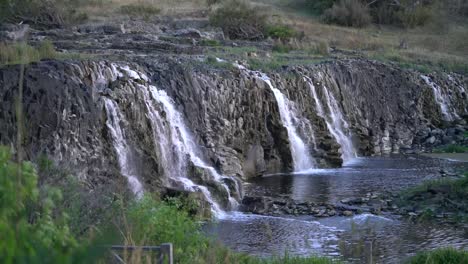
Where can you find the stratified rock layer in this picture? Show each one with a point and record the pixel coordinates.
(232, 113)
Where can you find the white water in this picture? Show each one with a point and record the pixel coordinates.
(441, 100)
(177, 144)
(335, 121)
(114, 117)
(300, 152)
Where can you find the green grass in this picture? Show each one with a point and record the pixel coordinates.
(210, 43)
(22, 53)
(441, 256)
(451, 149)
(442, 196)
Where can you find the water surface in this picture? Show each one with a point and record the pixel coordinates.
(360, 239)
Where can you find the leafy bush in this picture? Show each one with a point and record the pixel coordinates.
(281, 32)
(441, 256)
(239, 20)
(350, 13)
(30, 233)
(416, 16)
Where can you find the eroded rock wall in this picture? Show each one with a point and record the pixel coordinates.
(232, 113)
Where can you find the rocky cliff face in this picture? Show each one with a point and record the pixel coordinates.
(340, 108)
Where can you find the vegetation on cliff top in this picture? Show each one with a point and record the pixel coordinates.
(423, 35)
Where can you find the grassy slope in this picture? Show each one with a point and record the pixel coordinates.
(441, 45)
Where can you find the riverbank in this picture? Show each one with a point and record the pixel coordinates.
(450, 156)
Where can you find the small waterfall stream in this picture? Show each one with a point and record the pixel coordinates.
(299, 150)
(177, 145)
(335, 121)
(441, 100)
(184, 144)
(174, 141)
(114, 118)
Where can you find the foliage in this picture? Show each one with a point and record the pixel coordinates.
(154, 222)
(440, 256)
(30, 233)
(280, 47)
(439, 197)
(140, 9)
(451, 149)
(239, 20)
(212, 2)
(41, 13)
(350, 13)
(210, 42)
(416, 16)
(281, 31)
(21, 53)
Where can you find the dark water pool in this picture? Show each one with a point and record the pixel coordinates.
(360, 239)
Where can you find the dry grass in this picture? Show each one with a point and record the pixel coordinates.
(441, 43)
(103, 9)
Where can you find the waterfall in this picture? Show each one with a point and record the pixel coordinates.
(176, 144)
(441, 100)
(114, 118)
(335, 121)
(299, 150)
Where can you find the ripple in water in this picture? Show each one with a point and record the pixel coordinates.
(360, 239)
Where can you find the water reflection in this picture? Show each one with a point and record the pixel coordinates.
(376, 174)
(360, 239)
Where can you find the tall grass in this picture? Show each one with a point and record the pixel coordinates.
(440, 256)
(22, 53)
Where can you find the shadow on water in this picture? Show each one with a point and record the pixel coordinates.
(360, 239)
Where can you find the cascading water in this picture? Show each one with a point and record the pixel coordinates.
(299, 150)
(176, 144)
(174, 140)
(441, 100)
(114, 118)
(335, 121)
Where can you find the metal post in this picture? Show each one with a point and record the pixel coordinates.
(166, 249)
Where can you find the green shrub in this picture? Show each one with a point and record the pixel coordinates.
(350, 13)
(239, 20)
(416, 16)
(30, 233)
(282, 32)
(441, 256)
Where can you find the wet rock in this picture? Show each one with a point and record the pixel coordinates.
(348, 213)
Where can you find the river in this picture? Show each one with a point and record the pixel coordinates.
(363, 238)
